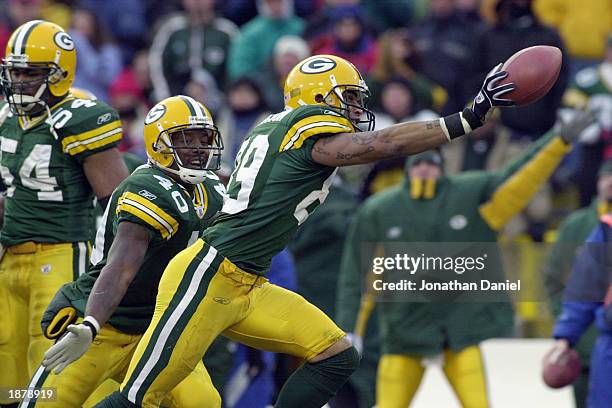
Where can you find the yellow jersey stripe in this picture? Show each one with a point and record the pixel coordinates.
(318, 124)
(148, 212)
(153, 207)
(83, 137)
(95, 142)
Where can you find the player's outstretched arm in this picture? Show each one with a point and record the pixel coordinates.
(125, 258)
(413, 137)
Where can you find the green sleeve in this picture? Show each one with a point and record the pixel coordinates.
(216, 195)
(350, 279)
(143, 203)
(85, 127)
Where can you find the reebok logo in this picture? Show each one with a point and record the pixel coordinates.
(147, 195)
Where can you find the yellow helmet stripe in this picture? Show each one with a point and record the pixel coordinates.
(21, 39)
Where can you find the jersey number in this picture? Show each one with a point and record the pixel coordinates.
(37, 163)
(250, 158)
(181, 204)
(302, 210)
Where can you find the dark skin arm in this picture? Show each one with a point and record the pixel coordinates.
(124, 260)
(104, 171)
(347, 149)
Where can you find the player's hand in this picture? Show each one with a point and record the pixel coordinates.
(357, 342)
(491, 94)
(72, 346)
(570, 129)
(59, 314)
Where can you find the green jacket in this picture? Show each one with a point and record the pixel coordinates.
(454, 214)
(572, 233)
(253, 48)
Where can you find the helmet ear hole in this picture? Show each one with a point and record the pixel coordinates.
(319, 98)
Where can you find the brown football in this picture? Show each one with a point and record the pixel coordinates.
(562, 369)
(534, 71)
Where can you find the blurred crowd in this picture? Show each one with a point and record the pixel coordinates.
(421, 58)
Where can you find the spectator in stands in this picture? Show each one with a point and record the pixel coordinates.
(443, 44)
(398, 104)
(591, 88)
(572, 232)
(583, 25)
(433, 207)
(126, 20)
(349, 38)
(18, 12)
(288, 51)
(512, 27)
(386, 14)
(203, 87)
(397, 58)
(186, 42)
(141, 72)
(127, 97)
(319, 24)
(254, 46)
(587, 299)
(243, 11)
(99, 60)
(247, 107)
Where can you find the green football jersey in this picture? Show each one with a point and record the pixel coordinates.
(48, 197)
(174, 217)
(275, 186)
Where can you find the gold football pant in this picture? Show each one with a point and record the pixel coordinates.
(399, 377)
(108, 358)
(30, 274)
(202, 295)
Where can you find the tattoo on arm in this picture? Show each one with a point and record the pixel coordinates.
(433, 124)
(320, 150)
(365, 138)
(350, 156)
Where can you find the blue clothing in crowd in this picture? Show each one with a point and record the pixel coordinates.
(587, 299)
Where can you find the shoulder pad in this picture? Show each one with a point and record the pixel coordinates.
(85, 126)
(311, 120)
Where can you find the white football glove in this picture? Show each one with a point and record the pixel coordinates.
(71, 346)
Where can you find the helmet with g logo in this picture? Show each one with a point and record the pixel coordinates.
(172, 127)
(44, 50)
(326, 79)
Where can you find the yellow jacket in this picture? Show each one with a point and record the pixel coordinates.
(583, 24)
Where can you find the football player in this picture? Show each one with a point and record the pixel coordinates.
(56, 152)
(283, 172)
(160, 209)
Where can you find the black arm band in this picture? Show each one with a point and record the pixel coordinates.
(459, 124)
(94, 331)
(471, 118)
(103, 202)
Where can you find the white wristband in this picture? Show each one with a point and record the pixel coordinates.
(93, 321)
